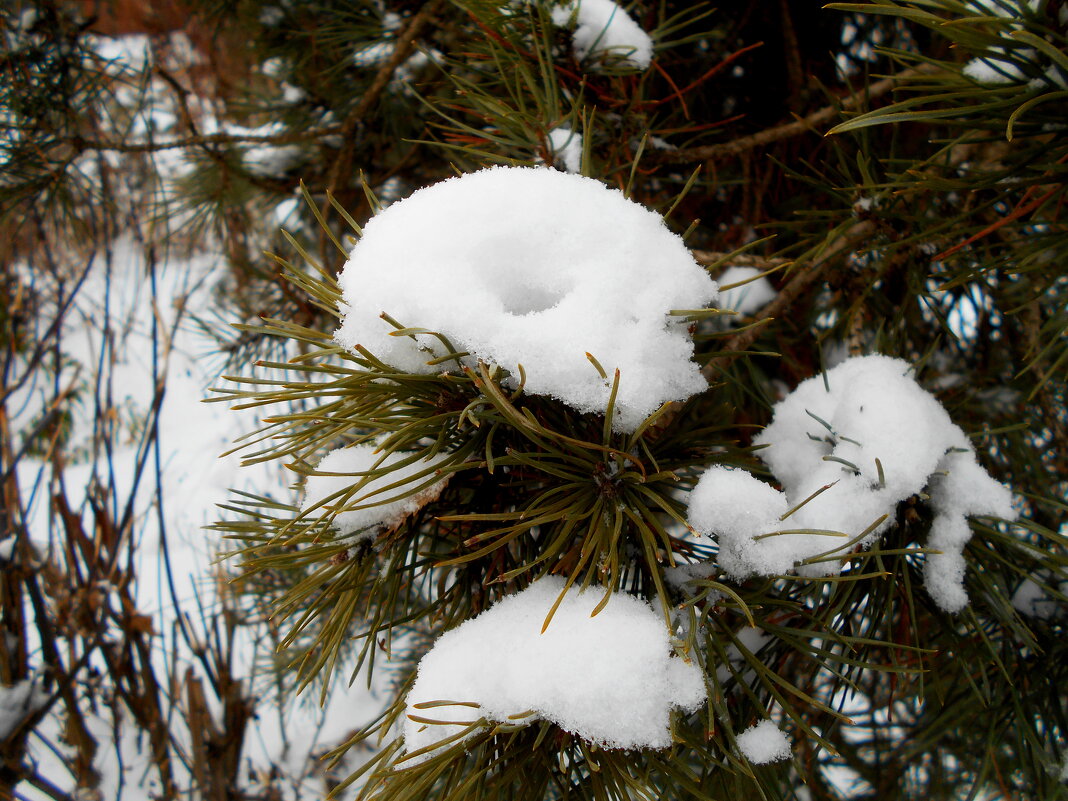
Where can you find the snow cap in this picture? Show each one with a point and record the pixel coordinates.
(533, 267)
(609, 679)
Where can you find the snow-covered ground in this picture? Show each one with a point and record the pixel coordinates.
(127, 310)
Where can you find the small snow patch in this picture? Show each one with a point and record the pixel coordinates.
(753, 292)
(18, 702)
(602, 29)
(609, 679)
(764, 743)
(566, 146)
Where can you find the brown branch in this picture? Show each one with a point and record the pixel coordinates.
(844, 244)
(745, 144)
(202, 140)
(841, 245)
(403, 48)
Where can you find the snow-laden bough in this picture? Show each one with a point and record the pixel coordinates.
(847, 447)
(533, 267)
(361, 506)
(610, 679)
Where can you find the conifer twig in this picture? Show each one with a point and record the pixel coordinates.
(745, 144)
(741, 340)
(401, 51)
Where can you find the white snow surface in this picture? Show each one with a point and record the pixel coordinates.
(764, 743)
(610, 679)
(533, 267)
(566, 146)
(17, 702)
(751, 296)
(875, 411)
(603, 28)
(374, 505)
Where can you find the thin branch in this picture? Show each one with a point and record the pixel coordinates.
(403, 48)
(813, 121)
(202, 140)
(844, 244)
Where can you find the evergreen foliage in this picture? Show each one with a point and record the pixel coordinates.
(898, 204)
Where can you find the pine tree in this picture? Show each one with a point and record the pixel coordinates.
(876, 178)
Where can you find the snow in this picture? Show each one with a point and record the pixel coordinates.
(610, 679)
(752, 293)
(116, 305)
(996, 68)
(847, 448)
(336, 483)
(17, 702)
(764, 743)
(1033, 599)
(602, 29)
(533, 267)
(566, 146)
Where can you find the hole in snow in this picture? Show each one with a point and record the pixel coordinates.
(522, 300)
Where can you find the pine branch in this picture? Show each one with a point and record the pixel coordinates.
(746, 144)
(403, 48)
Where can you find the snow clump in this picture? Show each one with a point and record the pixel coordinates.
(366, 509)
(847, 447)
(602, 29)
(609, 679)
(566, 147)
(533, 267)
(749, 297)
(764, 743)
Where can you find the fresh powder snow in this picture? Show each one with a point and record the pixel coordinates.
(764, 743)
(364, 505)
(847, 447)
(609, 679)
(603, 28)
(535, 267)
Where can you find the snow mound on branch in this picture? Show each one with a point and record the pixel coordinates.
(764, 743)
(376, 504)
(609, 679)
(603, 28)
(532, 267)
(847, 449)
(748, 298)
